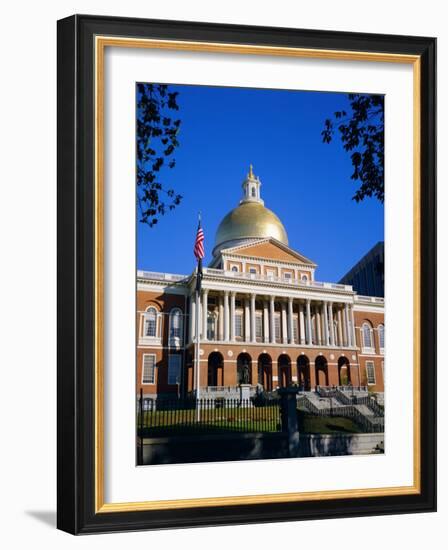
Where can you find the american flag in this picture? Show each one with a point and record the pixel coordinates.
(199, 253)
(199, 244)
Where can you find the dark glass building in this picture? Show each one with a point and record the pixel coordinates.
(367, 276)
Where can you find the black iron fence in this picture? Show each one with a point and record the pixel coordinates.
(165, 417)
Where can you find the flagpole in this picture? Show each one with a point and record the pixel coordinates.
(197, 355)
(199, 252)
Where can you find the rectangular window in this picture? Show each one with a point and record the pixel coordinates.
(211, 324)
(287, 276)
(149, 368)
(175, 326)
(295, 331)
(238, 325)
(370, 368)
(174, 362)
(270, 273)
(381, 336)
(151, 325)
(252, 270)
(259, 326)
(277, 327)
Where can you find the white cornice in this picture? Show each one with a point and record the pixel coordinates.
(377, 308)
(144, 285)
(278, 290)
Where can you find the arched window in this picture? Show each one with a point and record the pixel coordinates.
(367, 341)
(381, 336)
(234, 268)
(304, 278)
(150, 327)
(175, 325)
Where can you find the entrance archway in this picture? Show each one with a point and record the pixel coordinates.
(321, 366)
(265, 371)
(303, 372)
(215, 375)
(284, 371)
(344, 376)
(244, 369)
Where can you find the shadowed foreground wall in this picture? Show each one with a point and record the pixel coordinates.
(214, 448)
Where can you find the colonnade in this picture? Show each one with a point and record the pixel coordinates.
(294, 321)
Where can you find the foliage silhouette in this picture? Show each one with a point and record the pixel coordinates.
(157, 140)
(362, 134)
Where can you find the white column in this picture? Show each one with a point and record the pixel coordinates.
(266, 321)
(348, 336)
(319, 327)
(326, 333)
(353, 328)
(253, 335)
(192, 317)
(284, 324)
(340, 341)
(226, 316)
(290, 322)
(221, 319)
(204, 313)
(308, 323)
(232, 316)
(330, 306)
(302, 323)
(246, 320)
(271, 318)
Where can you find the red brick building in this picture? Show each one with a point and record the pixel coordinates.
(265, 312)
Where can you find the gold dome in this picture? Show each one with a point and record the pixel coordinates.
(246, 221)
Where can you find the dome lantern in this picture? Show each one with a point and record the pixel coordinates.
(250, 220)
(251, 188)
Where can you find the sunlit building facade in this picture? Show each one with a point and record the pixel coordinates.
(261, 309)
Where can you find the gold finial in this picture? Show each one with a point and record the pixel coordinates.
(251, 172)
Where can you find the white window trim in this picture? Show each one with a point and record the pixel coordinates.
(379, 340)
(367, 373)
(176, 341)
(155, 340)
(367, 349)
(154, 369)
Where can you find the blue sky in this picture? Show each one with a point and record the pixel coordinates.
(304, 181)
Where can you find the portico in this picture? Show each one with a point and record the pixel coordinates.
(256, 314)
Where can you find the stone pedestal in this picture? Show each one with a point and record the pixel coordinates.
(288, 411)
(245, 394)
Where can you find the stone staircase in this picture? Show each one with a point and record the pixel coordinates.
(357, 405)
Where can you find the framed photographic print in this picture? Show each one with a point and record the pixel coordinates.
(246, 270)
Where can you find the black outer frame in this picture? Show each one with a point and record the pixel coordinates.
(75, 403)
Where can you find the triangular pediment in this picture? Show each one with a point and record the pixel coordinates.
(269, 249)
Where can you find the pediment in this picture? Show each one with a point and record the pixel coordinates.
(269, 249)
